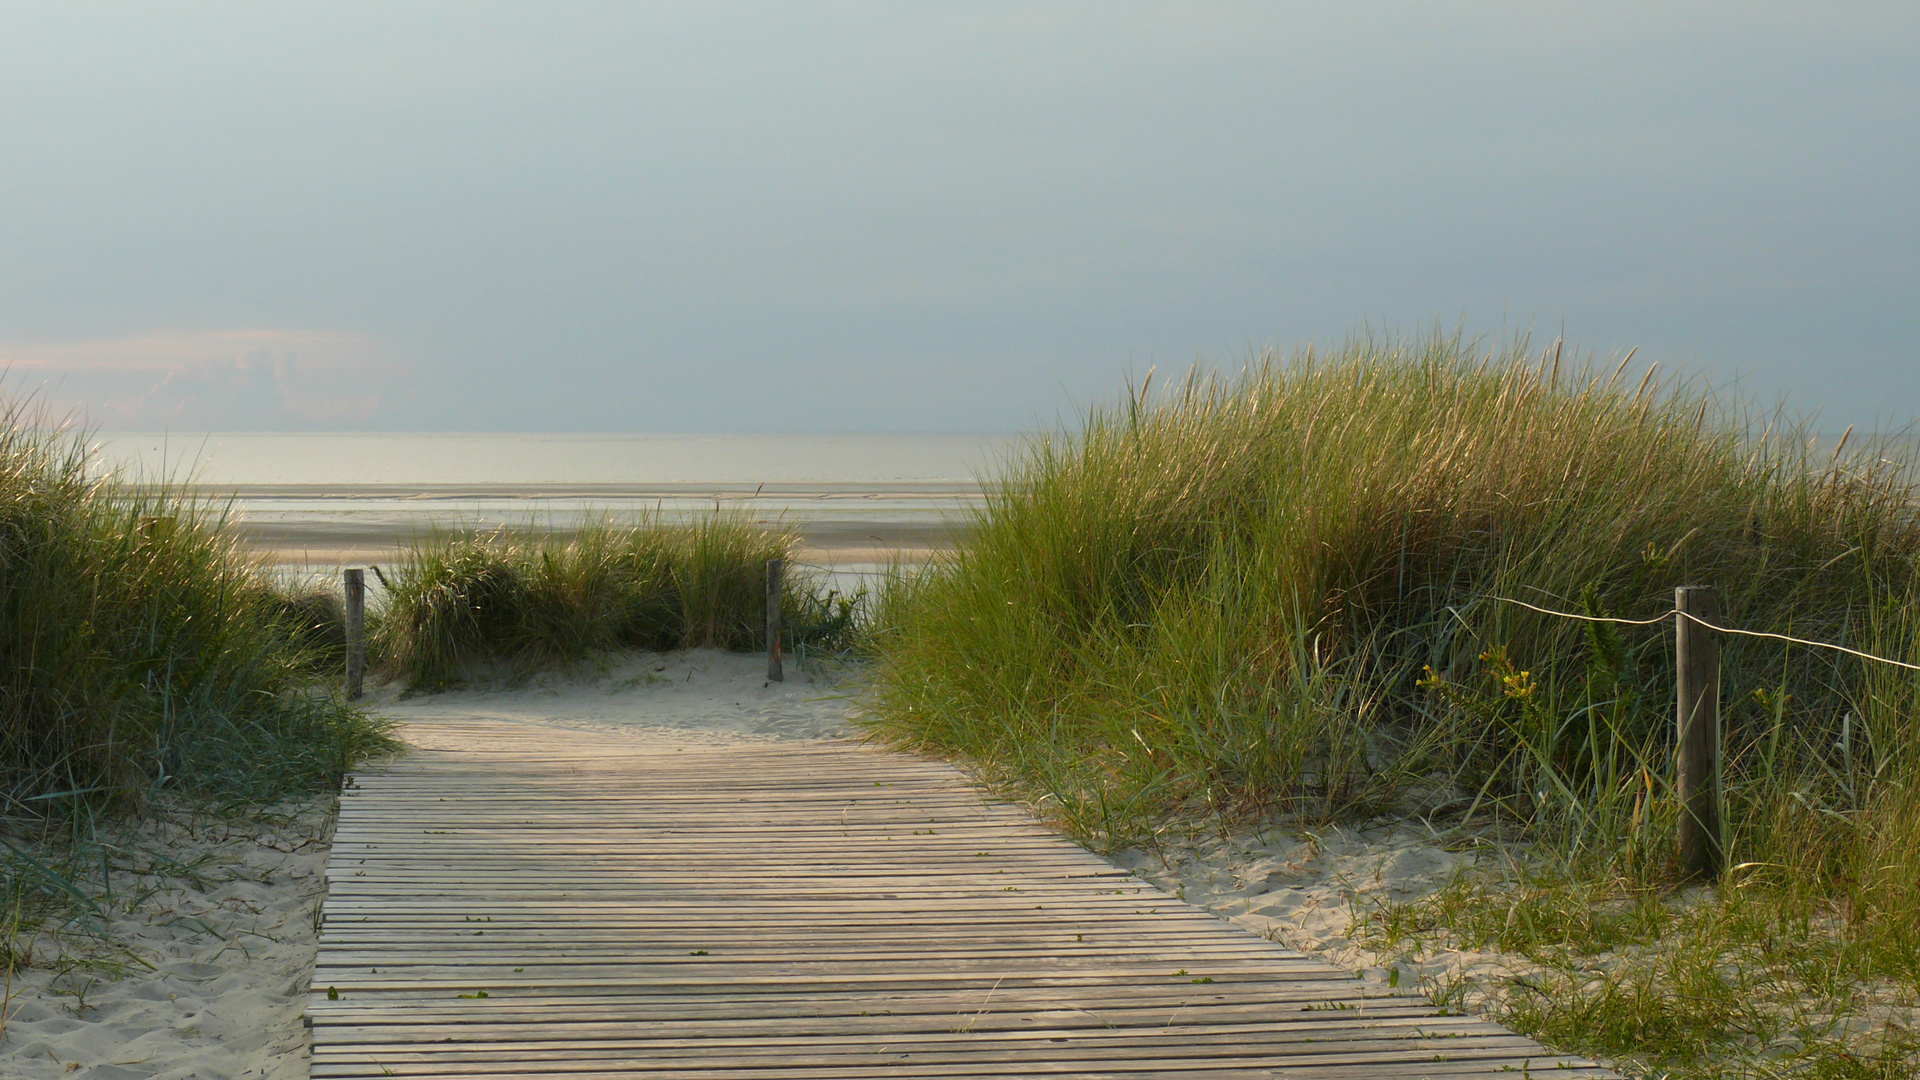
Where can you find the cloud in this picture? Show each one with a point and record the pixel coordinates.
(253, 379)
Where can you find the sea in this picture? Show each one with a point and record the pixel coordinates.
(312, 503)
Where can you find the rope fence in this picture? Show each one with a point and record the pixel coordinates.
(1700, 840)
(1700, 837)
(1716, 627)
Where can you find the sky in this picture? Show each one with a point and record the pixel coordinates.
(828, 217)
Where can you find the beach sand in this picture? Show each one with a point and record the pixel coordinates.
(204, 967)
(209, 973)
(1308, 888)
(203, 974)
(699, 692)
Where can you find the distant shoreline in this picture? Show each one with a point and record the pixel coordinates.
(839, 524)
(320, 544)
(913, 489)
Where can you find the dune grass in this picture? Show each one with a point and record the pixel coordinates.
(1288, 591)
(527, 600)
(143, 653)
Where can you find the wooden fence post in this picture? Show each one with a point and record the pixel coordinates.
(356, 588)
(774, 671)
(1699, 844)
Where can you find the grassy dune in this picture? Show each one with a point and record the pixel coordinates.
(1290, 591)
(143, 655)
(525, 601)
(143, 648)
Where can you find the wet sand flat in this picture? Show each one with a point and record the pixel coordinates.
(840, 524)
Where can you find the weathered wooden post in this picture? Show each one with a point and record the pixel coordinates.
(774, 671)
(356, 588)
(1700, 846)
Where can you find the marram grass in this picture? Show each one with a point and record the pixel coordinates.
(1288, 591)
(143, 654)
(141, 649)
(460, 604)
(1273, 590)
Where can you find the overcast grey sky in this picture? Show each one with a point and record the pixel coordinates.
(819, 217)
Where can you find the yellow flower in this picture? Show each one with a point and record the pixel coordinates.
(1519, 684)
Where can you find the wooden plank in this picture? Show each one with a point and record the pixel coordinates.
(635, 909)
(1166, 1046)
(721, 1014)
(707, 1022)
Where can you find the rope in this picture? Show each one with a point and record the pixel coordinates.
(1711, 626)
(1801, 641)
(1662, 617)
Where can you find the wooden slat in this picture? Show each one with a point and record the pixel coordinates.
(651, 909)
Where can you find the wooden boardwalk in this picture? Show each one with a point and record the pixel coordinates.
(515, 901)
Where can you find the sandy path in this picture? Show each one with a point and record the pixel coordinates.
(211, 980)
(209, 977)
(700, 692)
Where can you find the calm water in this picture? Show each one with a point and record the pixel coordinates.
(327, 499)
